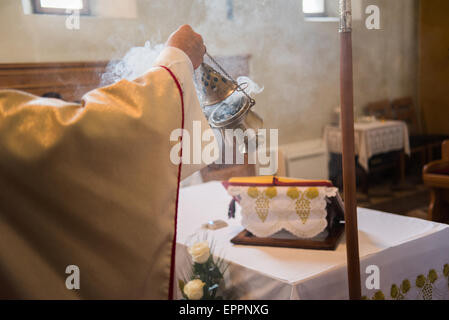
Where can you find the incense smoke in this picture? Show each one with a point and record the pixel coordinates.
(134, 64)
(139, 60)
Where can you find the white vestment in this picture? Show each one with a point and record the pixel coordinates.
(91, 185)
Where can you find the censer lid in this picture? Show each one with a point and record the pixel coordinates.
(214, 86)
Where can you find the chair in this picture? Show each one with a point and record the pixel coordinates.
(436, 177)
(379, 109)
(403, 109)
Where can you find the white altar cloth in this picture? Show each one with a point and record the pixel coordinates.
(371, 139)
(402, 248)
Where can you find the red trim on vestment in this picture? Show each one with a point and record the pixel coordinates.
(173, 248)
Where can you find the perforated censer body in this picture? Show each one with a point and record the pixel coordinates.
(214, 86)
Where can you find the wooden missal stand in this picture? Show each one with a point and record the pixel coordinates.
(328, 243)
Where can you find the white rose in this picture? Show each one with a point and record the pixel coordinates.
(194, 289)
(200, 252)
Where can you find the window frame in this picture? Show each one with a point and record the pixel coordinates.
(38, 9)
(322, 14)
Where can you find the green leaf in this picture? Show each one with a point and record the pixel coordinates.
(181, 285)
(420, 281)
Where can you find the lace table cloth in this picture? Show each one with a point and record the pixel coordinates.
(371, 139)
(411, 255)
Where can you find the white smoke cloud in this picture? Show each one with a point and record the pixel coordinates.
(251, 87)
(139, 60)
(134, 64)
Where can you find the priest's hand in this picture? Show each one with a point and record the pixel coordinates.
(190, 42)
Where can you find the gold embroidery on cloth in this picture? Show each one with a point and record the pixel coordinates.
(303, 208)
(312, 193)
(262, 204)
(425, 285)
(302, 205)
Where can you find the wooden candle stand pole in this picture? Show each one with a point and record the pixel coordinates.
(348, 154)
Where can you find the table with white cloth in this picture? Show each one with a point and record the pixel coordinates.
(410, 255)
(371, 139)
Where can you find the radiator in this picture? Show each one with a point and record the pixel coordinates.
(306, 160)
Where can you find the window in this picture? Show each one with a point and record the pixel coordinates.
(314, 8)
(60, 6)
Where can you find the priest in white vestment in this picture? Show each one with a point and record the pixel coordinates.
(92, 185)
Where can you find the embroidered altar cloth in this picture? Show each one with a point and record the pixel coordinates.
(298, 210)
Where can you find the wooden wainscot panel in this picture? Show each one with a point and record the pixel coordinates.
(70, 79)
(73, 79)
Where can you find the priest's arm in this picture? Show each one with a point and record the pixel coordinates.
(88, 192)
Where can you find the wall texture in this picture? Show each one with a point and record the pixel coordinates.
(296, 61)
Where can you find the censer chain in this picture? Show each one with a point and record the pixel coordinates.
(239, 87)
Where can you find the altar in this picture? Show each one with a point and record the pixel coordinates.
(409, 257)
